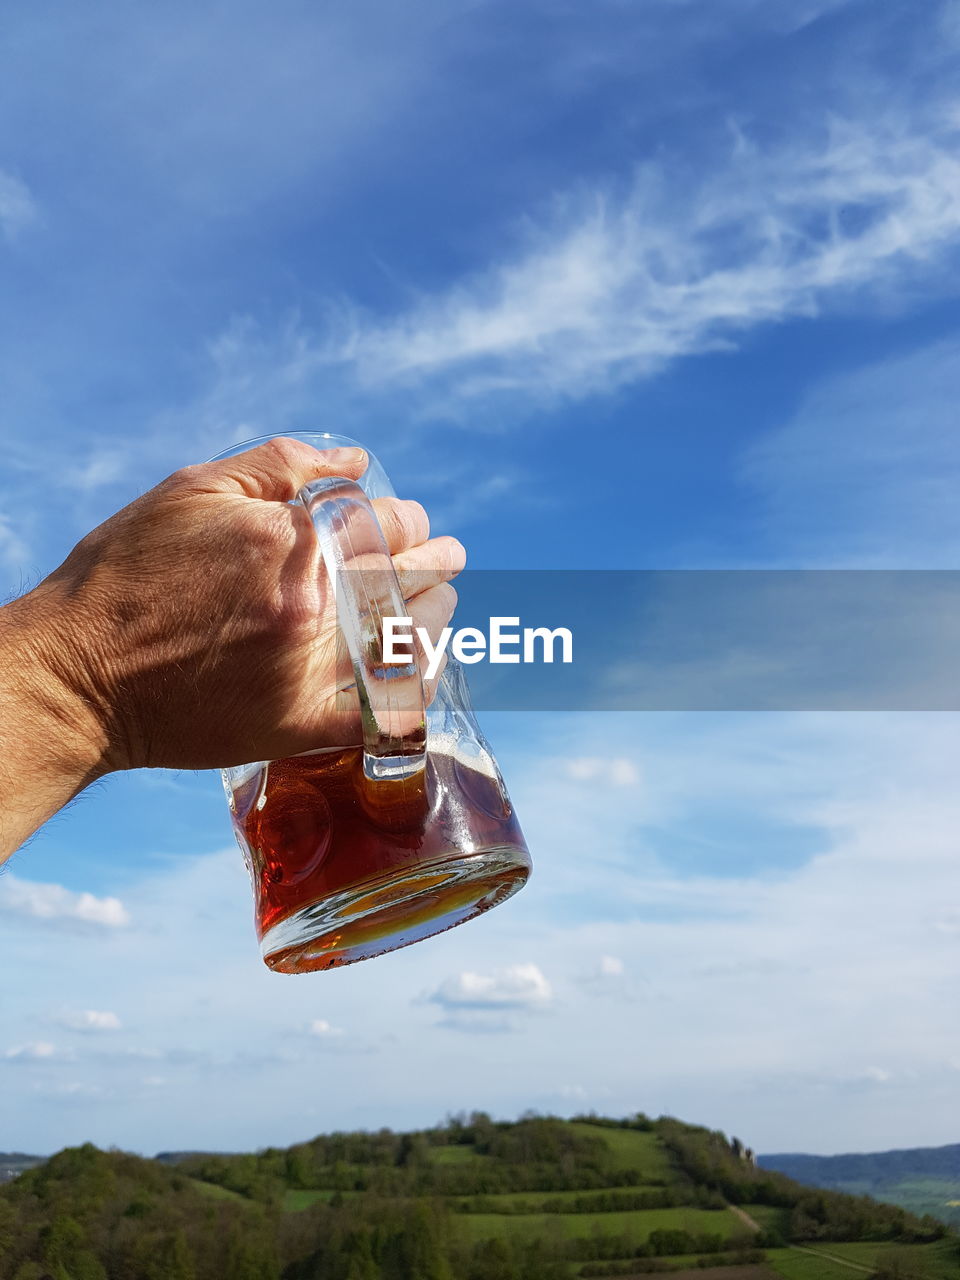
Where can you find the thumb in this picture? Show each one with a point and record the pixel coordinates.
(278, 470)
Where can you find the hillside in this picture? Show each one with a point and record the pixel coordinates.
(921, 1179)
(538, 1199)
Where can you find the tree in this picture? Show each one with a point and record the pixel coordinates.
(175, 1258)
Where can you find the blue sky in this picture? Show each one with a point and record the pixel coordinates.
(667, 285)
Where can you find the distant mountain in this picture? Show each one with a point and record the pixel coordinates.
(178, 1157)
(13, 1163)
(921, 1179)
(876, 1166)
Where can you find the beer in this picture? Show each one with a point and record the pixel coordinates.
(345, 868)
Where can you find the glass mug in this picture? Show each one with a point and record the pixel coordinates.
(356, 851)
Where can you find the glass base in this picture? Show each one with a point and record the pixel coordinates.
(370, 919)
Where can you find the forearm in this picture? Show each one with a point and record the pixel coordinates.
(51, 745)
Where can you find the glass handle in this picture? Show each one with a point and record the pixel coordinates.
(366, 588)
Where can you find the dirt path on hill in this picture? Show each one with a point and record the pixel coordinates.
(745, 1217)
(752, 1223)
(844, 1262)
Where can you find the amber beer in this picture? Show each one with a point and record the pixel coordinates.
(398, 855)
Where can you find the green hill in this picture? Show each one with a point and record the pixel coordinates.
(474, 1199)
(921, 1179)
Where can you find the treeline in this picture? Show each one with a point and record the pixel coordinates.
(661, 1266)
(710, 1159)
(93, 1215)
(682, 1195)
(536, 1153)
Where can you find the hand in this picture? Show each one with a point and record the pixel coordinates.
(196, 628)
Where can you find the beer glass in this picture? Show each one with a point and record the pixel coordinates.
(359, 850)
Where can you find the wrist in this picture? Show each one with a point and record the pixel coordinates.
(57, 731)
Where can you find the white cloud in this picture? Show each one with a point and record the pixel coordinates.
(90, 1020)
(36, 1050)
(878, 1075)
(611, 967)
(321, 1027)
(617, 770)
(17, 207)
(521, 986)
(55, 903)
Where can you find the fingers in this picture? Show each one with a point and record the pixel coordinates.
(420, 568)
(275, 471)
(432, 610)
(404, 523)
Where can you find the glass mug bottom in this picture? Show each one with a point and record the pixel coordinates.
(345, 868)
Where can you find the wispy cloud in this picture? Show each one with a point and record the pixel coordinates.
(614, 286)
(17, 206)
(617, 281)
(54, 903)
(33, 1051)
(89, 1020)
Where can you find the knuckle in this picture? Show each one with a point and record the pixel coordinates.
(450, 554)
(283, 451)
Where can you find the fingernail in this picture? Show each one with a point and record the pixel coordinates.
(345, 456)
(458, 554)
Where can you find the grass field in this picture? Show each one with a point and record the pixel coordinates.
(294, 1201)
(631, 1149)
(638, 1224)
(749, 1272)
(453, 1155)
(507, 1199)
(793, 1265)
(214, 1192)
(768, 1216)
(937, 1261)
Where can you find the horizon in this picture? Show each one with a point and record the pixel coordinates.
(586, 1117)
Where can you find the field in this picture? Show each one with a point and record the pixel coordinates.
(754, 1272)
(847, 1261)
(214, 1192)
(637, 1223)
(768, 1216)
(295, 1200)
(630, 1149)
(453, 1155)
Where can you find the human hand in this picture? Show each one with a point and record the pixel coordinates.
(196, 627)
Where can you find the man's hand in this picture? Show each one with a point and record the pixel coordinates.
(194, 629)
